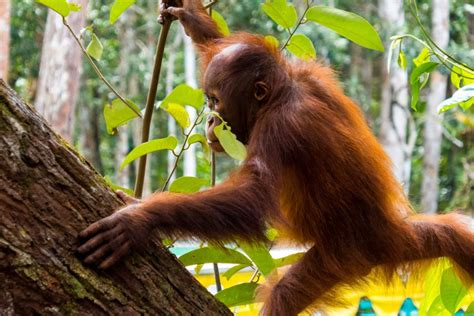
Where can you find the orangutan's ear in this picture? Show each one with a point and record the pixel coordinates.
(261, 90)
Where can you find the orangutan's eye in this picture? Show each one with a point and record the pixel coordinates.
(212, 102)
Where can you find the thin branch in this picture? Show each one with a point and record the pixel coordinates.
(97, 70)
(297, 26)
(150, 104)
(181, 151)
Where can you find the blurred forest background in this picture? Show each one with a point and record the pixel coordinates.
(433, 154)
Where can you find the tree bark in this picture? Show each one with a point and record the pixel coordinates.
(48, 193)
(433, 131)
(60, 71)
(394, 121)
(5, 7)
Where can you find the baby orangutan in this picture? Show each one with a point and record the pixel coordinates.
(314, 170)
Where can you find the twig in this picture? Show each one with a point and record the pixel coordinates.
(97, 70)
(183, 148)
(297, 26)
(150, 104)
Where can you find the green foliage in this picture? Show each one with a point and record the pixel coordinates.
(444, 292)
(232, 271)
(290, 259)
(118, 8)
(179, 113)
(118, 113)
(95, 47)
(402, 60)
(214, 255)
(221, 23)
(463, 97)
(281, 12)
(62, 7)
(451, 290)
(418, 79)
(260, 256)
(423, 57)
(229, 142)
(188, 185)
(302, 47)
(347, 24)
(198, 138)
(185, 95)
(168, 143)
(240, 294)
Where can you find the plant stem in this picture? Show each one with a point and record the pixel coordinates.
(297, 26)
(217, 276)
(150, 104)
(183, 148)
(97, 70)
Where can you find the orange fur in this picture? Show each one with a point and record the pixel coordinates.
(314, 170)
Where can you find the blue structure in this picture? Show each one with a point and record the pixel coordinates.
(408, 308)
(365, 307)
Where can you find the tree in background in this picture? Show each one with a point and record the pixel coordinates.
(433, 120)
(4, 38)
(60, 70)
(394, 103)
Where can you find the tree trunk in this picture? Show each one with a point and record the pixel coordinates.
(393, 129)
(189, 168)
(48, 193)
(433, 125)
(60, 70)
(4, 38)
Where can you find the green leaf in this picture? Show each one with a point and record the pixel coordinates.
(455, 78)
(437, 308)
(260, 256)
(179, 113)
(118, 8)
(463, 97)
(198, 138)
(168, 143)
(59, 6)
(470, 310)
(347, 24)
(188, 185)
(240, 294)
(432, 282)
(282, 13)
(452, 291)
(185, 95)
(118, 114)
(402, 60)
(95, 48)
(272, 40)
(221, 23)
(229, 142)
(415, 95)
(290, 259)
(466, 76)
(302, 47)
(213, 255)
(422, 69)
(415, 83)
(232, 271)
(423, 57)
